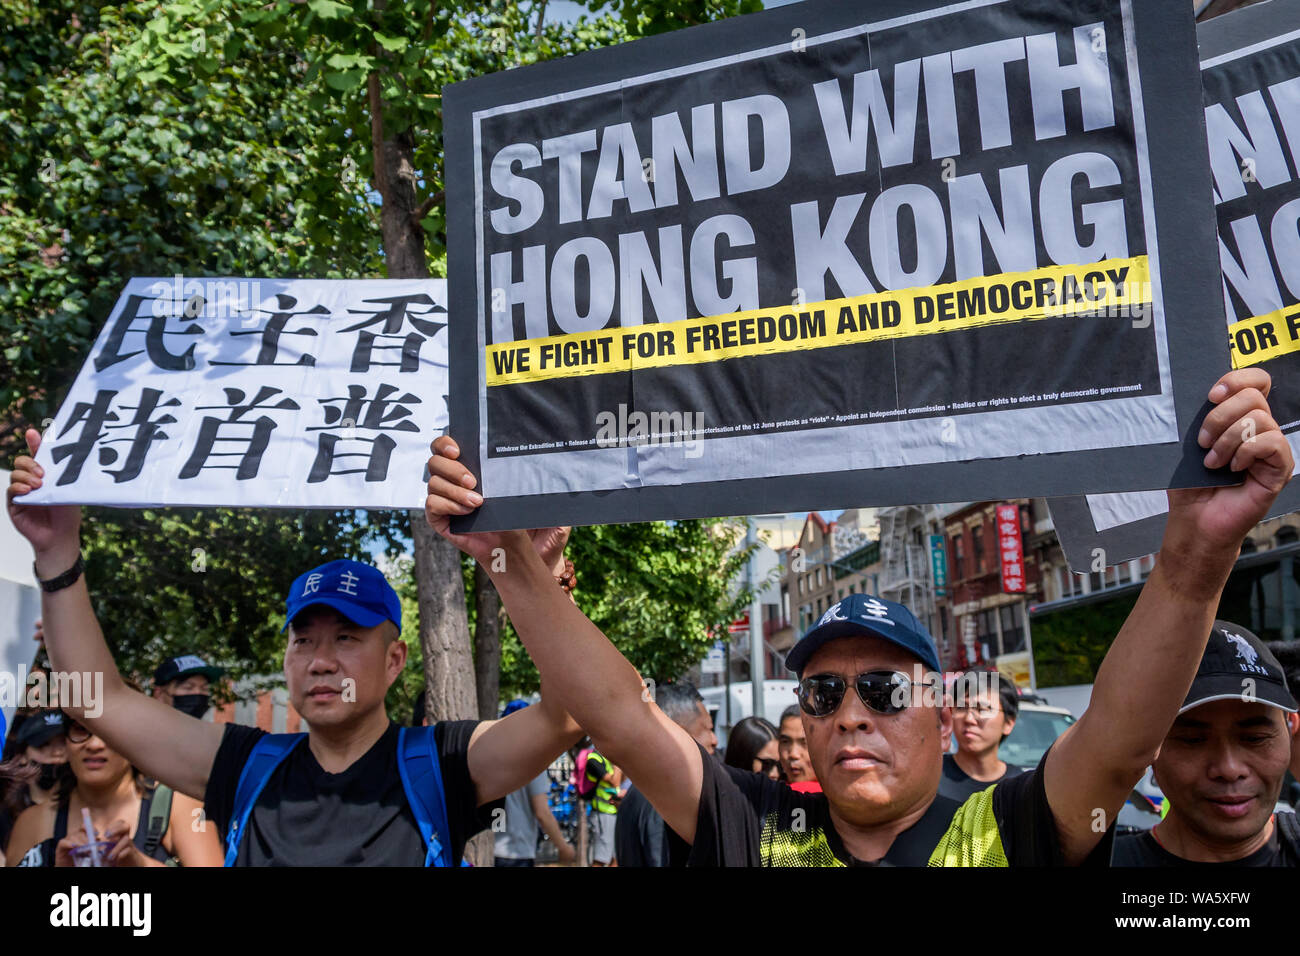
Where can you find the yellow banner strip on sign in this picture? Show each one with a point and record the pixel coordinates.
(1260, 338)
(1112, 287)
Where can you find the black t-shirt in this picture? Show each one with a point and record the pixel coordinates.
(360, 817)
(957, 784)
(748, 819)
(639, 838)
(1282, 849)
(6, 828)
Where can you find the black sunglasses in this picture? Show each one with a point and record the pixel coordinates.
(885, 692)
(767, 765)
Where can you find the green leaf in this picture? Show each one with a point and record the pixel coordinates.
(343, 61)
(392, 44)
(345, 81)
(328, 9)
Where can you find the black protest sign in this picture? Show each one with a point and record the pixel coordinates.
(1250, 74)
(835, 254)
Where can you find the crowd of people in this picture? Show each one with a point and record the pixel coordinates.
(857, 772)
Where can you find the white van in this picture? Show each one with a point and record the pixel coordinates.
(777, 696)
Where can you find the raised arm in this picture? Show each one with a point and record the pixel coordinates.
(1145, 675)
(167, 745)
(506, 754)
(585, 672)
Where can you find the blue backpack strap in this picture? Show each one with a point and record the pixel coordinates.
(417, 762)
(267, 754)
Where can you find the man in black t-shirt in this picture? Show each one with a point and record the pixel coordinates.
(984, 709)
(639, 837)
(1222, 764)
(873, 717)
(337, 797)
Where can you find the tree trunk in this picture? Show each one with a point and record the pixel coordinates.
(487, 644)
(444, 624)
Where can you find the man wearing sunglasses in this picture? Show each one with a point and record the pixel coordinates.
(873, 716)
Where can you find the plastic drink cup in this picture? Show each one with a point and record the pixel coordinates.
(91, 854)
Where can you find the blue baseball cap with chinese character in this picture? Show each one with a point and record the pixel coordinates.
(358, 591)
(861, 615)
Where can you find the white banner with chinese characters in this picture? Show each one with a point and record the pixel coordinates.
(280, 393)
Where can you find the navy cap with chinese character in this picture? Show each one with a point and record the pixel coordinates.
(861, 615)
(358, 591)
(1237, 666)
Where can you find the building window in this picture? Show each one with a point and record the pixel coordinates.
(959, 557)
(1013, 628)
(1286, 535)
(977, 546)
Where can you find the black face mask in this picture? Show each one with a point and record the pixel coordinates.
(196, 705)
(49, 775)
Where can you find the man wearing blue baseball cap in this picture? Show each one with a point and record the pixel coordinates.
(873, 705)
(354, 789)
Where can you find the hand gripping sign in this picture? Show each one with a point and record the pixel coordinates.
(1250, 76)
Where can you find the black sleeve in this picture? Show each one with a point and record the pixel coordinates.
(1028, 827)
(219, 799)
(632, 831)
(727, 828)
(464, 815)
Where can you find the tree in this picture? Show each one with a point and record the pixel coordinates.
(660, 591)
(123, 162)
(149, 138)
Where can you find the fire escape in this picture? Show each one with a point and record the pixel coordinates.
(905, 557)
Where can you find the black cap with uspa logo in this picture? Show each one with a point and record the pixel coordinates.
(1237, 666)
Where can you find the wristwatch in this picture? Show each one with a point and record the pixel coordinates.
(64, 580)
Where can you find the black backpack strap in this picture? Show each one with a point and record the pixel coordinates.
(155, 815)
(61, 822)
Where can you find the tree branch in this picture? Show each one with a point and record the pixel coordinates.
(427, 206)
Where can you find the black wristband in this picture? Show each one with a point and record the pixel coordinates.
(64, 580)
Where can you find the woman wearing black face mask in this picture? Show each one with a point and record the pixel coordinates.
(37, 759)
(184, 683)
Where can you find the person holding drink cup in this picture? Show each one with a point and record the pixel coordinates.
(106, 814)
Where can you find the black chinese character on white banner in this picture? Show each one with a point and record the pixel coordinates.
(274, 328)
(394, 316)
(154, 344)
(234, 430)
(382, 413)
(95, 418)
